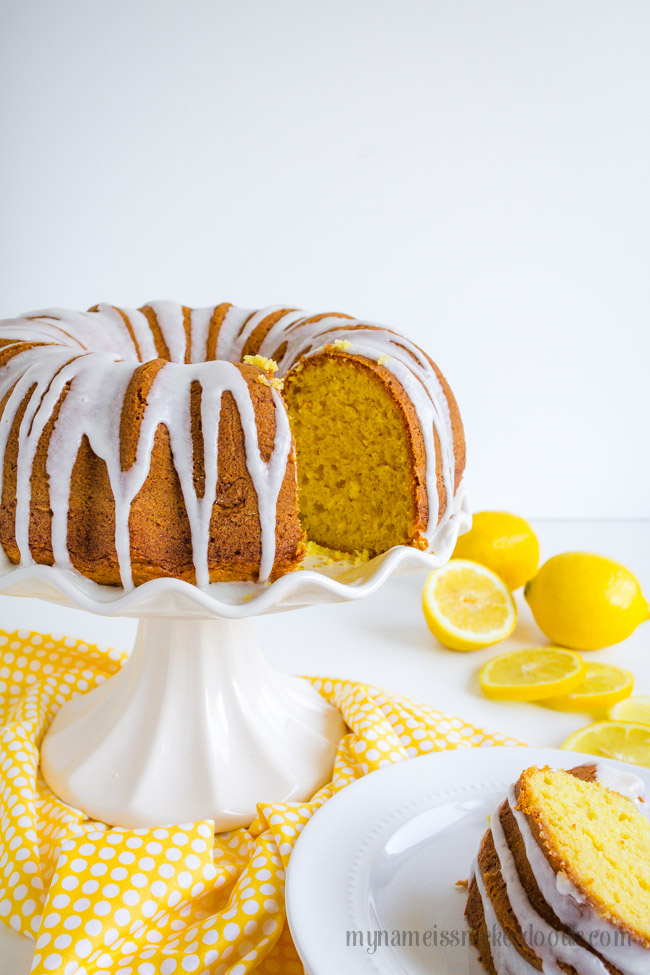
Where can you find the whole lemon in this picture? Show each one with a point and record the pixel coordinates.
(504, 543)
(585, 601)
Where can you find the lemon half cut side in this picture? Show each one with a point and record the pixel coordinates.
(467, 606)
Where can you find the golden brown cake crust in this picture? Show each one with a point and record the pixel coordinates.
(161, 543)
(539, 904)
(477, 927)
(488, 864)
(159, 527)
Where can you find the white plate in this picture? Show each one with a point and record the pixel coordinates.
(385, 855)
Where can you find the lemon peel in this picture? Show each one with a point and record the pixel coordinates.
(585, 601)
(504, 543)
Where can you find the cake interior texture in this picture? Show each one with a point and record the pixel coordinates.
(597, 838)
(355, 462)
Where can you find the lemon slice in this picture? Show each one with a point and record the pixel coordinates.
(623, 741)
(467, 606)
(603, 686)
(532, 675)
(633, 709)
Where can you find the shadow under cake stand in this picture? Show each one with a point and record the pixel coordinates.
(197, 725)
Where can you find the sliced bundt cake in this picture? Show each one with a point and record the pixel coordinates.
(562, 878)
(208, 443)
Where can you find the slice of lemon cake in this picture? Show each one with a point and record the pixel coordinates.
(561, 883)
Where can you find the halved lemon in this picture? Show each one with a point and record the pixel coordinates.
(633, 709)
(623, 741)
(603, 686)
(532, 675)
(467, 606)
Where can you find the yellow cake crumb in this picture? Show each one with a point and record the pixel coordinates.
(342, 344)
(382, 360)
(598, 839)
(328, 556)
(354, 458)
(268, 365)
(274, 383)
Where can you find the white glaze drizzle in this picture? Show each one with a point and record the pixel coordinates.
(583, 960)
(505, 956)
(144, 347)
(169, 315)
(234, 321)
(97, 352)
(29, 368)
(627, 783)
(570, 906)
(200, 319)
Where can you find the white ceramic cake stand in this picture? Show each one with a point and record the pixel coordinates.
(196, 725)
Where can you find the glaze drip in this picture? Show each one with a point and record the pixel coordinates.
(550, 946)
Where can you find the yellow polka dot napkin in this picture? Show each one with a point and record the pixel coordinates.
(100, 900)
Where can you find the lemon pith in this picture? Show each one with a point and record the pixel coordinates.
(623, 741)
(470, 601)
(467, 606)
(602, 687)
(502, 542)
(585, 601)
(532, 675)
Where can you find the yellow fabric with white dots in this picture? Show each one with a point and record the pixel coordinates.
(100, 900)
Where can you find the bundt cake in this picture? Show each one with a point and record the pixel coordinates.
(562, 879)
(208, 444)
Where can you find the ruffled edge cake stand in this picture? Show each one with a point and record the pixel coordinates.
(197, 725)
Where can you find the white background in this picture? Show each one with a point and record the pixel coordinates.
(474, 174)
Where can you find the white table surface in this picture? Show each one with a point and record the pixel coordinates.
(383, 640)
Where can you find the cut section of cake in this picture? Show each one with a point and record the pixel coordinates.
(561, 883)
(361, 455)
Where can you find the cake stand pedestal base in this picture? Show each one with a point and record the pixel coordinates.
(196, 725)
